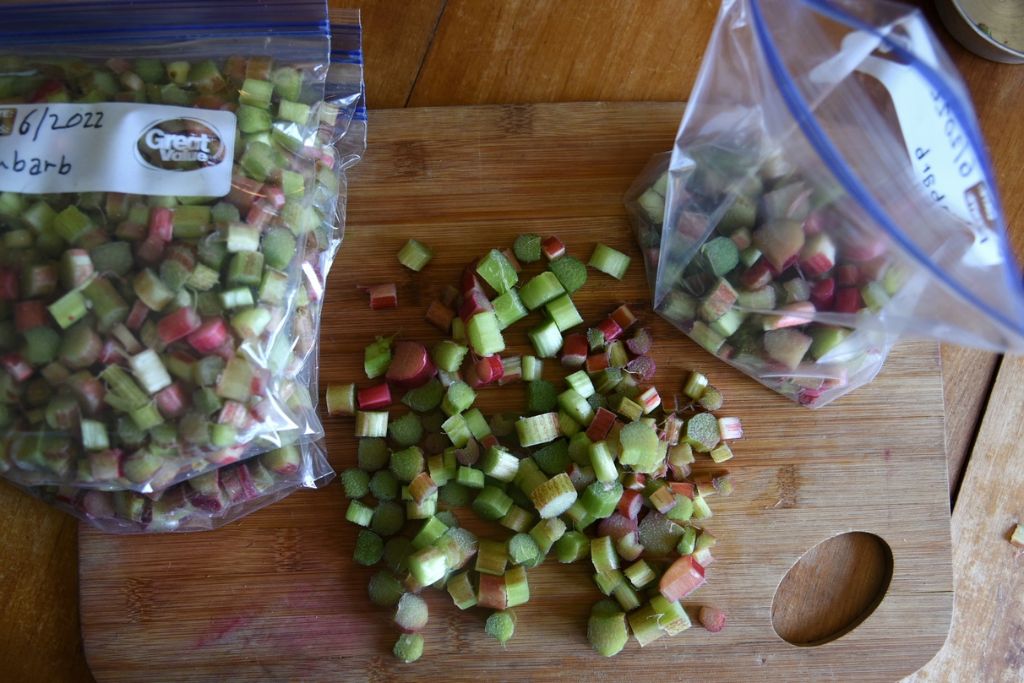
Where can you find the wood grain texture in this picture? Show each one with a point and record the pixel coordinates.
(538, 51)
(836, 585)
(277, 596)
(396, 35)
(986, 641)
(38, 592)
(967, 378)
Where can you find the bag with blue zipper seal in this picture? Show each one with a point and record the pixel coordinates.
(829, 192)
(218, 187)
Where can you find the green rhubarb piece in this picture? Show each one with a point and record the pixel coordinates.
(448, 356)
(707, 338)
(638, 440)
(356, 483)
(826, 338)
(741, 214)
(787, 346)
(384, 589)
(721, 255)
(606, 628)
(383, 485)
(563, 313)
(540, 289)
(369, 548)
(407, 430)
(501, 625)
(527, 248)
(415, 255)
(571, 272)
(701, 432)
(497, 271)
(609, 261)
(377, 357)
(546, 339)
(541, 396)
(458, 398)
(484, 334)
(425, 398)
(717, 302)
(407, 463)
(553, 457)
(408, 648)
(372, 454)
(509, 308)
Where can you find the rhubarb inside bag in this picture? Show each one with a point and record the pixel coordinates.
(828, 193)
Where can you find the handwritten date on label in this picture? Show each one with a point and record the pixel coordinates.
(51, 121)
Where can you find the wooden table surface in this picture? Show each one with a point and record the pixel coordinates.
(446, 52)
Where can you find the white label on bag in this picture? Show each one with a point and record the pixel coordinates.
(941, 155)
(148, 149)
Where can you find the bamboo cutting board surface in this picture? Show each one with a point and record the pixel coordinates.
(277, 596)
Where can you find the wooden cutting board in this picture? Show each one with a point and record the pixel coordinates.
(277, 596)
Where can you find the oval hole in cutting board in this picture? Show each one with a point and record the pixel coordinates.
(824, 596)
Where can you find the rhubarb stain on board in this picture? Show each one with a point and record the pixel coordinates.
(410, 159)
(516, 119)
(219, 629)
(138, 594)
(787, 482)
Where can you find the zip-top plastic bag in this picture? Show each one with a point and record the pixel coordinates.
(162, 189)
(202, 503)
(829, 192)
(220, 496)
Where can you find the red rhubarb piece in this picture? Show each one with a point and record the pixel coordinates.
(178, 325)
(375, 397)
(574, 350)
(410, 365)
(552, 247)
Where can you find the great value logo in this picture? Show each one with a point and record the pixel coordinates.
(181, 144)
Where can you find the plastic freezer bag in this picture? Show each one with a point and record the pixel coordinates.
(157, 200)
(203, 503)
(828, 192)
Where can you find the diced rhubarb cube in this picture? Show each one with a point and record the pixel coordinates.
(596, 362)
(178, 325)
(552, 247)
(823, 293)
(780, 241)
(682, 578)
(172, 401)
(847, 300)
(490, 369)
(818, 256)
(30, 314)
(381, 296)
(210, 335)
(16, 366)
(473, 302)
(574, 350)
(756, 276)
(8, 284)
(630, 504)
(161, 224)
(137, 315)
(600, 425)
(610, 329)
(847, 275)
(623, 317)
(375, 397)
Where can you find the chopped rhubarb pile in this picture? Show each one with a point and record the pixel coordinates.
(597, 467)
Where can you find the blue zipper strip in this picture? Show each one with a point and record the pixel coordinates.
(92, 22)
(833, 159)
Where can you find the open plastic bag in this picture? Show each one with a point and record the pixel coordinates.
(159, 311)
(202, 503)
(829, 192)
